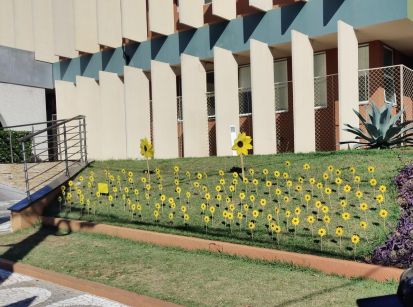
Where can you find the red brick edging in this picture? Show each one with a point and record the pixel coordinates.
(111, 293)
(327, 265)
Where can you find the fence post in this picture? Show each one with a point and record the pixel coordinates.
(11, 147)
(26, 172)
(84, 139)
(402, 93)
(65, 144)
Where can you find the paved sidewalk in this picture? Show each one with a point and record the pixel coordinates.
(18, 290)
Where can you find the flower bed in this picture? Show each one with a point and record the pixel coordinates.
(336, 210)
(398, 250)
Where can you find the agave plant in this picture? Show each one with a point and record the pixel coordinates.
(382, 129)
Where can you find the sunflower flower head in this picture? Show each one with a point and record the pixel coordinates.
(242, 144)
(146, 148)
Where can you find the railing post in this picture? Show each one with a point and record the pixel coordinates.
(11, 147)
(34, 146)
(84, 139)
(26, 173)
(80, 140)
(65, 146)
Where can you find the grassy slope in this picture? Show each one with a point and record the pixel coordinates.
(189, 278)
(386, 162)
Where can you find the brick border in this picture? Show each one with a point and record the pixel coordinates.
(97, 289)
(327, 265)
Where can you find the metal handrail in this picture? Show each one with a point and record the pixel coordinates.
(33, 124)
(68, 144)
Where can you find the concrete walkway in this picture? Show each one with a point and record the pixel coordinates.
(8, 196)
(18, 290)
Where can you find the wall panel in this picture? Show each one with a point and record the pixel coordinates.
(64, 28)
(109, 23)
(191, 13)
(137, 108)
(23, 25)
(194, 103)
(226, 9)
(303, 93)
(7, 37)
(164, 110)
(263, 98)
(347, 79)
(86, 27)
(161, 16)
(112, 103)
(134, 20)
(43, 31)
(226, 99)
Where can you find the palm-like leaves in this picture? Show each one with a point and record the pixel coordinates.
(382, 130)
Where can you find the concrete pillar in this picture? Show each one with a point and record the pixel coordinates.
(191, 13)
(161, 16)
(194, 103)
(348, 85)
(226, 9)
(134, 20)
(164, 111)
(7, 37)
(226, 99)
(43, 31)
(263, 5)
(137, 109)
(303, 92)
(109, 23)
(64, 28)
(23, 25)
(88, 97)
(113, 130)
(263, 98)
(86, 26)
(66, 100)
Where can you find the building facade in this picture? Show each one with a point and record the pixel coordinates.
(190, 73)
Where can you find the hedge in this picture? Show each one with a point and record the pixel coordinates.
(5, 146)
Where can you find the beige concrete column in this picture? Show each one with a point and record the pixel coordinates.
(64, 28)
(113, 131)
(263, 5)
(43, 31)
(348, 84)
(137, 109)
(23, 25)
(161, 16)
(86, 26)
(7, 37)
(226, 9)
(191, 13)
(226, 99)
(88, 97)
(303, 92)
(66, 100)
(263, 98)
(194, 103)
(164, 111)
(134, 20)
(109, 23)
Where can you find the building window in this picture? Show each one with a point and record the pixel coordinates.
(210, 94)
(244, 83)
(389, 85)
(320, 80)
(281, 85)
(364, 65)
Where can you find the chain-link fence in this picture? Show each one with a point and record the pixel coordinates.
(211, 123)
(284, 116)
(326, 113)
(407, 90)
(245, 112)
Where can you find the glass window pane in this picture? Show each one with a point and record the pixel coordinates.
(364, 58)
(281, 85)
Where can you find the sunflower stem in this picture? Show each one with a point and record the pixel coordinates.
(242, 165)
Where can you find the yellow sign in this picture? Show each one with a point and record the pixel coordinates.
(103, 188)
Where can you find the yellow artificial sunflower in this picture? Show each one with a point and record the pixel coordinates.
(355, 239)
(242, 144)
(146, 148)
(339, 231)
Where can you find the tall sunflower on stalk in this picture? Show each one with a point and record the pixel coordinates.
(147, 153)
(241, 145)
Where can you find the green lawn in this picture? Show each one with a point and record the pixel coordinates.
(184, 277)
(148, 211)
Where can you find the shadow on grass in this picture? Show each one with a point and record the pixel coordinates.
(20, 250)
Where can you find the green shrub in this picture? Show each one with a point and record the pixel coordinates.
(5, 154)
